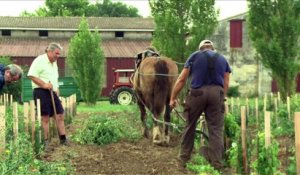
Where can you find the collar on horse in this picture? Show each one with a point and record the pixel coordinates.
(141, 56)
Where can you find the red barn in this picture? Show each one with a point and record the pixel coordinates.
(24, 38)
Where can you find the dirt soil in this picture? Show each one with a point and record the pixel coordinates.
(124, 157)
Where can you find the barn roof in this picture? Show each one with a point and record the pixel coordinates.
(32, 47)
(72, 23)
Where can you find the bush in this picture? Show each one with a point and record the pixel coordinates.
(233, 91)
(102, 130)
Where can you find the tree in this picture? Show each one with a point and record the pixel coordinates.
(110, 9)
(274, 28)
(67, 7)
(84, 8)
(175, 19)
(43, 11)
(86, 59)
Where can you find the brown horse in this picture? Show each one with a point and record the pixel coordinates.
(153, 82)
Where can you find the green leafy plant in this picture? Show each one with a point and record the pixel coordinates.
(199, 165)
(233, 91)
(103, 130)
(267, 160)
(20, 158)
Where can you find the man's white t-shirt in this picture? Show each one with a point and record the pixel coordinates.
(43, 69)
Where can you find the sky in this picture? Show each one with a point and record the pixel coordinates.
(227, 8)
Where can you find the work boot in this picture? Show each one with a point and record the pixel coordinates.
(47, 146)
(65, 142)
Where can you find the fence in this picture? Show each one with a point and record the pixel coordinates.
(29, 119)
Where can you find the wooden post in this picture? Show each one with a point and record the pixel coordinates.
(32, 119)
(267, 129)
(75, 105)
(39, 118)
(26, 116)
(288, 107)
(2, 128)
(244, 138)
(297, 140)
(15, 120)
(11, 100)
(71, 106)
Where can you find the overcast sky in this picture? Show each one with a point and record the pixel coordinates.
(15, 7)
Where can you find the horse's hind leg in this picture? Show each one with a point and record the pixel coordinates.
(143, 119)
(167, 119)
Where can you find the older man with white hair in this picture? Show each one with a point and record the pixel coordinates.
(44, 75)
(209, 73)
(9, 74)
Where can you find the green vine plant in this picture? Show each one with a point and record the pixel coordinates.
(266, 162)
(199, 165)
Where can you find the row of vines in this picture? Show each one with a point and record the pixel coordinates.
(22, 138)
(260, 136)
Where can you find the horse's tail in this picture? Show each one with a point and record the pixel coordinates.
(161, 86)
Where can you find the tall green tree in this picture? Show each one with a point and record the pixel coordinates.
(112, 9)
(83, 8)
(86, 58)
(67, 7)
(175, 19)
(274, 29)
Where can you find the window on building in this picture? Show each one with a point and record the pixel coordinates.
(43, 33)
(236, 33)
(6, 32)
(119, 34)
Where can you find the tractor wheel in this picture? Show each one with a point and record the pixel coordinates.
(123, 95)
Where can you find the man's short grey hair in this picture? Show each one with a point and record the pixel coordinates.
(53, 46)
(14, 70)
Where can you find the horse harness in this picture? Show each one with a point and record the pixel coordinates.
(141, 56)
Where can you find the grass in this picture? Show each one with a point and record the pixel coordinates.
(105, 106)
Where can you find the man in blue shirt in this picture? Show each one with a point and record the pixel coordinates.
(209, 72)
(9, 74)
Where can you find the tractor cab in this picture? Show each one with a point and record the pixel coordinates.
(122, 92)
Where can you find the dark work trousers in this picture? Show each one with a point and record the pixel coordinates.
(210, 100)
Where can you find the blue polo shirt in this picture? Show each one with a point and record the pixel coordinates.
(2, 80)
(198, 65)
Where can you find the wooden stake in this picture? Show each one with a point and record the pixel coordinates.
(32, 119)
(15, 120)
(39, 118)
(2, 128)
(244, 138)
(26, 114)
(267, 129)
(297, 140)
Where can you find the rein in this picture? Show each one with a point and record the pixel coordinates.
(157, 120)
